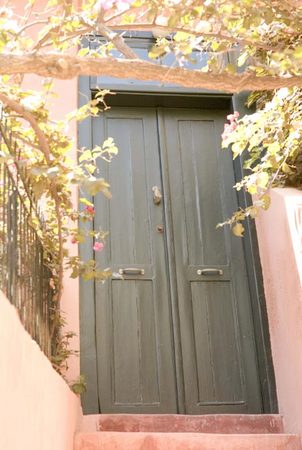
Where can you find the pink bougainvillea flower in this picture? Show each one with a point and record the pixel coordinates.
(121, 5)
(98, 246)
(105, 4)
(229, 127)
(233, 117)
(89, 209)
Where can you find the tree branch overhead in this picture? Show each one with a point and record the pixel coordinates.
(65, 67)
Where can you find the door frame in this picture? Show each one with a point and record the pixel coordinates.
(88, 352)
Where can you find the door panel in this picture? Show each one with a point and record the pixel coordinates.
(130, 193)
(134, 331)
(219, 372)
(202, 202)
(131, 305)
(218, 349)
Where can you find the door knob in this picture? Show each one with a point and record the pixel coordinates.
(156, 195)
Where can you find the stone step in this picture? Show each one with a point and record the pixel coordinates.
(108, 440)
(215, 423)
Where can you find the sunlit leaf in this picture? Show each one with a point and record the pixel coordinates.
(238, 229)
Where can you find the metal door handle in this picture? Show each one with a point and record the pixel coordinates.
(156, 195)
(131, 271)
(210, 272)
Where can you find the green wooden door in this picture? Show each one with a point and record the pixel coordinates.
(175, 335)
(218, 348)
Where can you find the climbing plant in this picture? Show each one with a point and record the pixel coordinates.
(270, 140)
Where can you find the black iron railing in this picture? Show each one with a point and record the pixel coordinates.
(25, 275)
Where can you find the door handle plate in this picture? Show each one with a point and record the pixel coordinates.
(131, 271)
(210, 272)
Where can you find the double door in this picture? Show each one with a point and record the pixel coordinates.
(173, 327)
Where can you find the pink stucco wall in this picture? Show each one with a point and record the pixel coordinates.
(37, 409)
(280, 240)
(65, 102)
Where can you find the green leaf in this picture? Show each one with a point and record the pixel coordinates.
(252, 189)
(230, 68)
(75, 273)
(181, 36)
(298, 52)
(238, 229)
(286, 168)
(86, 156)
(79, 386)
(242, 59)
(237, 148)
(90, 168)
(83, 51)
(93, 186)
(156, 52)
(253, 211)
(273, 148)
(266, 201)
(173, 20)
(262, 179)
(85, 201)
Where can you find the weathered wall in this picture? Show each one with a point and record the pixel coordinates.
(280, 240)
(37, 409)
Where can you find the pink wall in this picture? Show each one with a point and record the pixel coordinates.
(66, 101)
(280, 240)
(37, 409)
